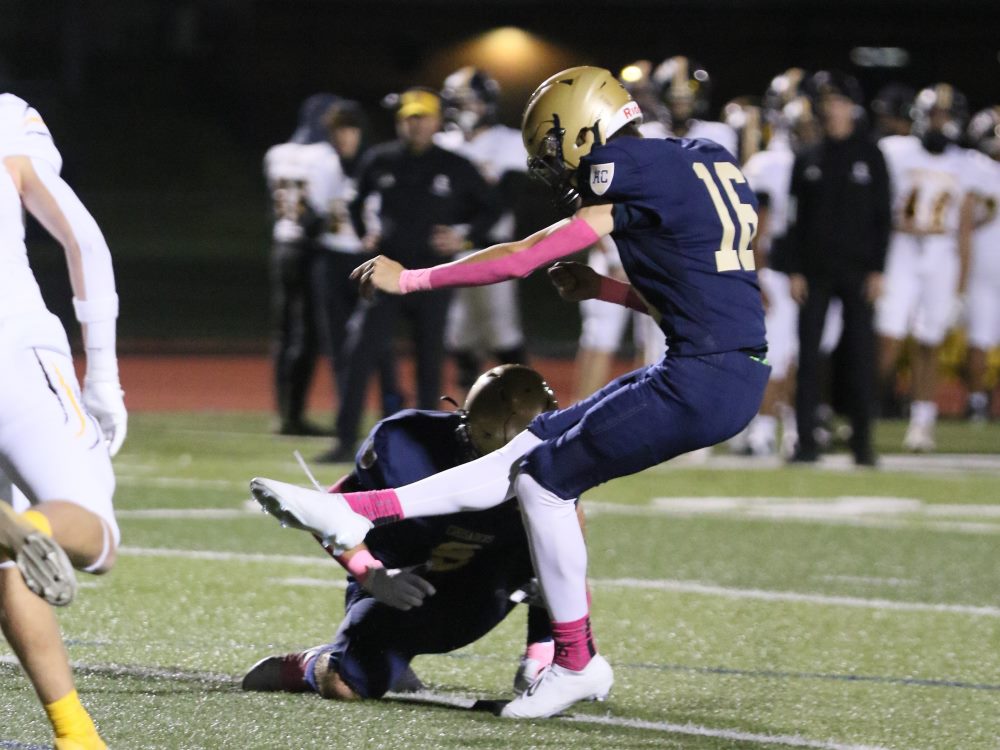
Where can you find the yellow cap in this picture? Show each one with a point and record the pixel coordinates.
(417, 103)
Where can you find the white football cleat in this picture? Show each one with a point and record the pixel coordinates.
(558, 688)
(44, 565)
(527, 672)
(919, 438)
(325, 514)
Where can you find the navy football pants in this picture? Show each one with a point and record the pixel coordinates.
(644, 418)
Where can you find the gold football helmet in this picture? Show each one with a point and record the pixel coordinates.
(569, 114)
(501, 403)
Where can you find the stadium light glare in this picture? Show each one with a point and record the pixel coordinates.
(880, 57)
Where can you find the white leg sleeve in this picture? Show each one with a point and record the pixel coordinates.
(558, 549)
(477, 485)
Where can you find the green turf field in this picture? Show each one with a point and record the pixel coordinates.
(742, 605)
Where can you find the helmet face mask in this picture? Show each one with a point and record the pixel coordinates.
(471, 100)
(566, 117)
(939, 114)
(549, 168)
(984, 131)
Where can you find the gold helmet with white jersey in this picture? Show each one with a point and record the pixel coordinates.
(566, 117)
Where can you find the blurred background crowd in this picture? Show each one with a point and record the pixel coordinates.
(393, 127)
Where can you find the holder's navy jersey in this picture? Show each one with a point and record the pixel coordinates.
(684, 217)
(414, 444)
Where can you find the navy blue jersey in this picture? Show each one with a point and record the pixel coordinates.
(410, 446)
(684, 216)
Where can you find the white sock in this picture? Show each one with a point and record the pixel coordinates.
(558, 550)
(477, 485)
(923, 413)
(763, 431)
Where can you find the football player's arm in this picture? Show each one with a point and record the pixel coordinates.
(50, 200)
(966, 225)
(794, 237)
(507, 260)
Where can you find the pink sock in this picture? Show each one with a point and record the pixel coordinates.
(378, 506)
(574, 643)
(541, 651)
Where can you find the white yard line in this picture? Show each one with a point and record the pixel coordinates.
(684, 587)
(868, 512)
(185, 482)
(463, 702)
(695, 587)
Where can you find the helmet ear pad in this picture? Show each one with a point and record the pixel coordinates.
(501, 403)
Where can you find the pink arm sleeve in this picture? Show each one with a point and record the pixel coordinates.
(622, 294)
(564, 241)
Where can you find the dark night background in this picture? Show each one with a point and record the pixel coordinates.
(163, 110)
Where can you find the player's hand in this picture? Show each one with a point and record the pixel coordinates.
(105, 400)
(873, 287)
(378, 273)
(397, 588)
(798, 288)
(574, 281)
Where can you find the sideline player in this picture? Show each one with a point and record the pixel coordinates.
(682, 216)
(983, 303)
(488, 319)
(467, 565)
(55, 443)
(299, 176)
(927, 267)
(792, 125)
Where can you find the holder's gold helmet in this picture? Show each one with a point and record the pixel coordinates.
(501, 403)
(566, 116)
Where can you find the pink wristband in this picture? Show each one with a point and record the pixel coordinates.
(416, 280)
(359, 564)
(620, 293)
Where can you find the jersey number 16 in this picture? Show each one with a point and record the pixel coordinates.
(729, 257)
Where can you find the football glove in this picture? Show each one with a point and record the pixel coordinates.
(397, 588)
(105, 401)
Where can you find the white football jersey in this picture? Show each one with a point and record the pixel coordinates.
(927, 189)
(19, 293)
(495, 151)
(986, 237)
(770, 171)
(300, 175)
(719, 132)
(24, 133)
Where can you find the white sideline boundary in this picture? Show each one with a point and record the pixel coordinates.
(676, 586)
(462, 702)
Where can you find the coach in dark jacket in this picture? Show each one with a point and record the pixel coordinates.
(836, 246)
(419, 205)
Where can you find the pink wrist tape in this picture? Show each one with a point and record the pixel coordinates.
(620, 293)
(564, 241)
(359, 564)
